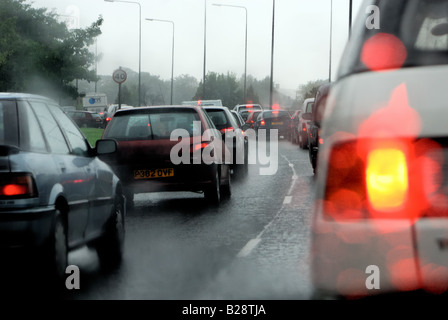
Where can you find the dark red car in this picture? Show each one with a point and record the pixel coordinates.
(168, 148)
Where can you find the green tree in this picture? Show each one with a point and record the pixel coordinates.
(308, 90)
(38, 54)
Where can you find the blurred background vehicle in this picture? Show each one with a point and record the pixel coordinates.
(113, 108)
(238, 118)
(55, 194)
(87, 119)
(294, 131)
(144, 156)
(273, 120)
(314, 140)
(251, 119)
(233, 136)
(247, 107)
(303, 122)
(381, 215)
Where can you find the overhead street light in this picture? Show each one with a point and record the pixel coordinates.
(245, 50)
(172, 55)
(139, 47)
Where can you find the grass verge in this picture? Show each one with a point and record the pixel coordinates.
(92, 134)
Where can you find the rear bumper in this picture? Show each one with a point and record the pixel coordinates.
(194, 177)
(25, 228)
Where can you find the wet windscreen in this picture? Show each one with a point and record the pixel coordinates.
(153, 124)
(8, 123)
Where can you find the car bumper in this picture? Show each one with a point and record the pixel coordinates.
(25, 228)
(194, 177)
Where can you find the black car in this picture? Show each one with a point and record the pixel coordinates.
(268, 120)
(314, 140)
(55, 193)
(87, 119)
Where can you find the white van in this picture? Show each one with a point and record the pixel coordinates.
(203, 103)
(113, 108)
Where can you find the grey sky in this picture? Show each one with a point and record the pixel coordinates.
(301, 51)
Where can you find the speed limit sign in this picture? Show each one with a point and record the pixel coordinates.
(119, 76)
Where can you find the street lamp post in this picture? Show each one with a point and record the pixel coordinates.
(245, 46)
(205, 48)
(139, 47)
(172, 54)
(331, 40)
(271, 90)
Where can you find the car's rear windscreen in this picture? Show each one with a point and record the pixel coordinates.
(153, 124)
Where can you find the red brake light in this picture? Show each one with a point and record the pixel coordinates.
(199, 146)
(20, 185)
(224, 130)
(108, 119)
(262, 122)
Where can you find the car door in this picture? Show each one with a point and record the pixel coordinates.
(98, 182)
(74, 174)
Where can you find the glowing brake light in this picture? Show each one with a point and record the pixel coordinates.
(224, 130)
(387, 179)
(200, 146)
(263, 122)
(108, 119)
(20, 185)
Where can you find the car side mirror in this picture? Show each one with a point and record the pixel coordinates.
(307, 116)
(105, 146)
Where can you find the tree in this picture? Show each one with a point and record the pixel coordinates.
(220, 86)
(38, 54)
(308, 90)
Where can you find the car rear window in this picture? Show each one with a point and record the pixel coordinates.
(219, 118)
(276, 114)
(152, 124)
(416, 31)
(8, 123)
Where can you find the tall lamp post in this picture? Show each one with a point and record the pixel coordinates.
(205, 48)
(331, 40)
(139, 47)
(271, 89)
(172, 54)
(245, 46)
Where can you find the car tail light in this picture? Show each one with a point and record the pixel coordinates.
(17, 186)
(263, 122)
(387, 179)
(225, 130)
(384, 179)
(199, 146)
(108, 119)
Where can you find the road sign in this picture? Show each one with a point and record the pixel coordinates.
(119, 76)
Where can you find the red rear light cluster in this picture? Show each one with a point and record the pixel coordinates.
(384, 179)
(225, 130)
(263, 122)
(17, 186)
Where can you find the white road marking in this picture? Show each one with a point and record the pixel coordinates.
(252, 244)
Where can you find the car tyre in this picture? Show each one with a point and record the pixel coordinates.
(226, 189)
(56, 252)
(213, 192)
(111, 245)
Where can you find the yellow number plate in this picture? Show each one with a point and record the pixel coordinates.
(153, 173)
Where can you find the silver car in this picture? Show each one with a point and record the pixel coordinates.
(381, 214)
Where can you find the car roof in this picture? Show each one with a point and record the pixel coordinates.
(22, 95)
(139, 109)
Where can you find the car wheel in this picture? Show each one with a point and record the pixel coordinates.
(129, 195)
(56, 251)
(110, 246)
(213, 192)
(226, 189)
